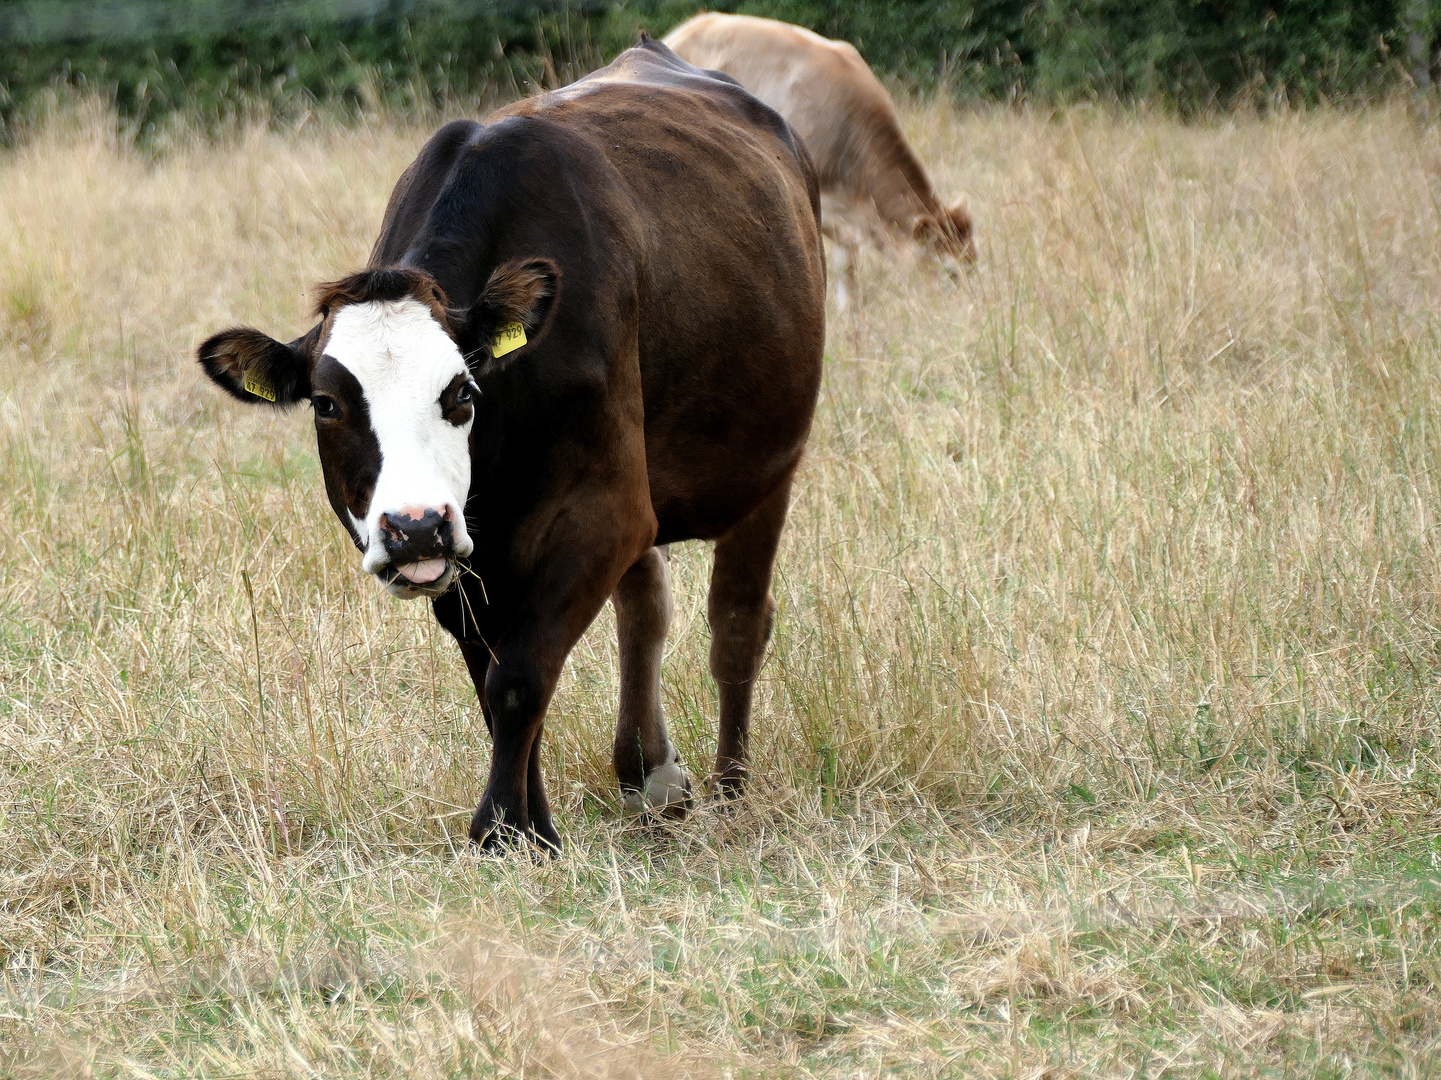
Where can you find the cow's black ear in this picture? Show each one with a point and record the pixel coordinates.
(511, 309)
(256, 368)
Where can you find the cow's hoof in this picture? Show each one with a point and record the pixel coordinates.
(494, 836)
(497, 839)
(544, 837)
(667, 791)
(724, 793)
(504, 840)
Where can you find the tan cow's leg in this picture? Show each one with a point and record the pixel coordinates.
(843, 259)
(848, 224)
(741, 614)
(650, 773)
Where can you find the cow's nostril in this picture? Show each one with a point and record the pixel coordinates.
(392, 531)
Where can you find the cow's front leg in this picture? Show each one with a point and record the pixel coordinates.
(542, 827)
(537, 806)
(516, 676)
(516, 692)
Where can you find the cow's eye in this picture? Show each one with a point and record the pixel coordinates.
(323, 406)
(467, 393)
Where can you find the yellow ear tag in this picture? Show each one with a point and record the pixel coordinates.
(508, 338)
(259, 386)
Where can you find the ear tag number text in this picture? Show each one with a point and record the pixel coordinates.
(259, 386)
(508, 338)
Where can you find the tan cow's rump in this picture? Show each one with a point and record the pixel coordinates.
(872, 185)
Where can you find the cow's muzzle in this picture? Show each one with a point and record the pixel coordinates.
(419, 544)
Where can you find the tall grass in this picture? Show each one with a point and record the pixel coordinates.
(1099, 734)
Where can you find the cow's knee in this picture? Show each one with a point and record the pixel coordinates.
(738, 641)
(515, 692)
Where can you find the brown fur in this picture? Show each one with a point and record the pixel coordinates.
(387, 283)
(846, 118)
(515, 290)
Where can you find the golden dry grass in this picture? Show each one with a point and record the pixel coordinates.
(1098, 738)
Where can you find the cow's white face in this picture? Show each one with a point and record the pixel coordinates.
(393, 404)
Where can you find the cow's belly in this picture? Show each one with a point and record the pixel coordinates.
(706, 504)
(713, 459)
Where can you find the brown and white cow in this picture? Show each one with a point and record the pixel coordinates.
(872, 183)
(591, 327)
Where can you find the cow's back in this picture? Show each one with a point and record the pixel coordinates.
(823, 87)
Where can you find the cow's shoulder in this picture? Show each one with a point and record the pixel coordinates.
(838, 69)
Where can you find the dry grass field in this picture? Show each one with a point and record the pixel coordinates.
(1099, 737)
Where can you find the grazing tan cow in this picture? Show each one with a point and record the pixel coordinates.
(871, 182)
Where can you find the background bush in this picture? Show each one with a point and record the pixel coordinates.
(209, 62)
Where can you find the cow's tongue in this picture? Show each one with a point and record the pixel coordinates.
(423, 572)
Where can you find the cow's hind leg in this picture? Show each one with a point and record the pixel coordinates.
(741, 613)
(650, 773)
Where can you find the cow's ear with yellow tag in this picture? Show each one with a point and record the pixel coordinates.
(514, 301)
(255, 368)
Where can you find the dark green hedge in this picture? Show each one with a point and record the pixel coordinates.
(209, 61)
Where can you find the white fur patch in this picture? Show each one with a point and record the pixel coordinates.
(403, 360)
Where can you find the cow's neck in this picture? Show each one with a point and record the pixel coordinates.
(902, 190)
